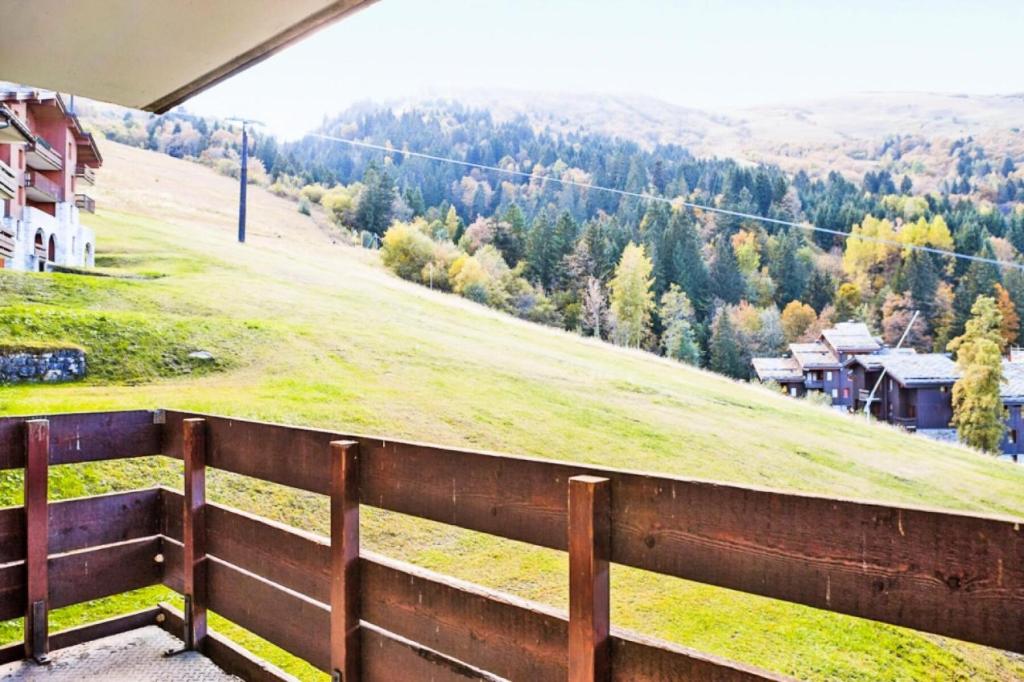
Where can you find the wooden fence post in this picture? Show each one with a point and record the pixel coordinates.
(589, 549)
(345, 657)
(193, 532)
(37, 531)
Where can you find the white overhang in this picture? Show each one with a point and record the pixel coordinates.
(150, 54)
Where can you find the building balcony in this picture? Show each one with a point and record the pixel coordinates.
(86, 174)
(864, 394)
(8, 182)
(908, 423)
(85, 203)
(39, 155)
(814, 384)
(40, 188)
(6, 242)
(324, 601)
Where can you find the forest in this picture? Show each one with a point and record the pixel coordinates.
(531, 234)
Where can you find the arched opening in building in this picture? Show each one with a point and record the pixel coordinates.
(51, 250)
(88, 253)
(39, 251)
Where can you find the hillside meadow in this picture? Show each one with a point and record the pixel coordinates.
(307, 330)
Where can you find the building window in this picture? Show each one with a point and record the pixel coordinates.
(835, 393)
(828, 376)
(1013, 436)
(792, 391)
(846, 393)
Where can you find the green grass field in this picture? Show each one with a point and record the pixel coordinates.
(308, 331)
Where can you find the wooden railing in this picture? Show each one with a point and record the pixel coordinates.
(326, 602)
(85, 173)
(85, 203)
(45, 189)
(6, 242)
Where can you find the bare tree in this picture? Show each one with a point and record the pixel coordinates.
(595, 306)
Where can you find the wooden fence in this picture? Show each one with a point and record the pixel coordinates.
(367, 617)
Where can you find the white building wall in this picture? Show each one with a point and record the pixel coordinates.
(75, 244)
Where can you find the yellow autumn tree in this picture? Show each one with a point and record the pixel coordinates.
(631, 297)
(1009, 328)
(871, 251)
(797, 318)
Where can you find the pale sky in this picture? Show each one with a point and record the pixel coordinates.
(696, 53)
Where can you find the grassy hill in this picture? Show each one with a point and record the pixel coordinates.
(307, 330)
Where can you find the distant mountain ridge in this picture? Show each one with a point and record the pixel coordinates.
(905, 133)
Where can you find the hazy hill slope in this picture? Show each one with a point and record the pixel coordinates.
(846, 134)
(329, 338)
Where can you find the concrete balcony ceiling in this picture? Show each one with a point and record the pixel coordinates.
(150, 54)
(41, 156)
(38, 187)
(12, 129)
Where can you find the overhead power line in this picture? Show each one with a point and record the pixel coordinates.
(675, 202)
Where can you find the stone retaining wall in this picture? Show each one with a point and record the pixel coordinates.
(20, 365)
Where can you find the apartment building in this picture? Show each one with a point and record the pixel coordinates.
(47, 163)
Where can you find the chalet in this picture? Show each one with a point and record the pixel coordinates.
(863, 373)
(820, 365)
(1012, 394)
(784, 371)
(916, 390)
(46, 159)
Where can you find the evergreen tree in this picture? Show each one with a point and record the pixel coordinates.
(688, 263)
(726, 279)
(787, 270)
(544, 253)
(977, 408)
(510, 235)
(978, 280)
(906, 186)
(374, 211)
(726, 356)
(679, 340)
(920, 279)
(820, 290)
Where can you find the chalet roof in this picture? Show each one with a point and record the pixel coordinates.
(813, 356)
(1012, 390)
(917, 370)
(873, 361)
(851, 337)
(777, 369)
(88, 152)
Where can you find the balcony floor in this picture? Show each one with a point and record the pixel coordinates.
(135, 655)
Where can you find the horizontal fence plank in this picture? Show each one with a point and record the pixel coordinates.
(86, 633)
(387, 657)
(84, 437)
(510, 637)
(292, 621)
(86, 574)
(100, 572)
(228, 656)
(945, 573)
(85, 522)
